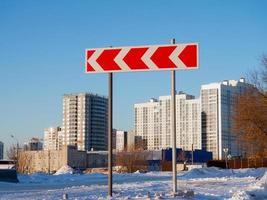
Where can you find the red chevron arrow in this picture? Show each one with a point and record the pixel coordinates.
(89, 67)
(189, 56)
(106, 59)
(133, 58)
(161, 57)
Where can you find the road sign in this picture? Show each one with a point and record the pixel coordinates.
(142, 58)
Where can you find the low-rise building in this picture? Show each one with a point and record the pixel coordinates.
(51, 160)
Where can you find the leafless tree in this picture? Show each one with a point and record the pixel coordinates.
(250, 114)
(25, 162)
(132, 160)
(181, 156)
(12, 153)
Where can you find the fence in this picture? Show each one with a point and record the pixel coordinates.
(247, 163)
(239, 163)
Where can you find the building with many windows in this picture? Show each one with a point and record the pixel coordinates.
(153, 122)
(217, 102)
(53, 138)
(85, 121)
(121, 140)
(34, 144)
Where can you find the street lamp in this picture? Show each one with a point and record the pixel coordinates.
(225, 150)
(17, 150)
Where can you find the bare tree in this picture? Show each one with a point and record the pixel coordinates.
(250, 114)
(132, 160)
(25, 162)
(12, 153)
(181, 156)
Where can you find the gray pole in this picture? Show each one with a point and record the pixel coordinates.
(192, 154)
(110, 113)
(173, 129)
(17, 155)
(49, 162)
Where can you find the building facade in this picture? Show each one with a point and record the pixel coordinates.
(121, 140)
(1, 150)
(85, 121)
(153, 122)
(50, 161)
(217, 103)
(35, 144)
(53, 138)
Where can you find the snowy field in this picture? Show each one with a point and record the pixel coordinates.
(207, 183)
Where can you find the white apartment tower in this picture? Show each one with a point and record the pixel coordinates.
(53, 138)
(217, 101)
(85, 121)
(147, 123)
(153, 122)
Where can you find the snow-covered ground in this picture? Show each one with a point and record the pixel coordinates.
(207, 183)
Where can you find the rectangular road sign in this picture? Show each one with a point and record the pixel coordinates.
(142, 58)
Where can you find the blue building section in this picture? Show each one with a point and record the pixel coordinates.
(199, 156)
(154, 165)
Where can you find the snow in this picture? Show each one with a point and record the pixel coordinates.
(64, 170)
(263, 180)
(206, 183)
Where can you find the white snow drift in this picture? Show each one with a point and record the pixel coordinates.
(207, 183)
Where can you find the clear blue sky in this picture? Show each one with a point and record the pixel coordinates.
(42, 47)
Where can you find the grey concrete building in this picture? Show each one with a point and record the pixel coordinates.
(34, 144)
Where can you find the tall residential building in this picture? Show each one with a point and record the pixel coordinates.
(53, 138)
(217, 101)
(153, 122)
(85, 118)
(1, 150)
(121, 140)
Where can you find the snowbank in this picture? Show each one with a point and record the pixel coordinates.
(256, 190)
(64, 170)
(263, 180)
(214, 172)
(240, 195)
(207, 183)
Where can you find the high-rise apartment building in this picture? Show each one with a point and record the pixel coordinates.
(53, 138)
(217, 101)
(1, 150)
(153, 122)
(85, 118)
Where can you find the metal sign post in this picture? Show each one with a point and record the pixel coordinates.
(110, 119)
(173, 129)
